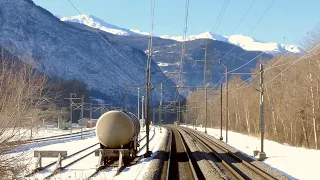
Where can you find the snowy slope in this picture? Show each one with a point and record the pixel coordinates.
(97, 23)
(34, 35)
(296, 162)
(245, 42)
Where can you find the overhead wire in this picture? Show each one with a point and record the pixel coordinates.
(244, 16)
(180, 81)
(273, 66)
(183, 44)
(256, 24)
(295, 62)
(265, 12)
(220, 16)
(253, 77)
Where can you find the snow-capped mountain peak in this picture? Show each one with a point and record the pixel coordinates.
(245, 42)
(97, 23)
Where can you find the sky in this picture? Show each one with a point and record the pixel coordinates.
(287, 21)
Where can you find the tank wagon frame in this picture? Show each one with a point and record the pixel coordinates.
(125, 152)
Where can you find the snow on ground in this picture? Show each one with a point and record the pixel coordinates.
(86, 166)
(25, 133)
(296, 162)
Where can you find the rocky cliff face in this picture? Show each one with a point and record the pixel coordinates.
(35, 36)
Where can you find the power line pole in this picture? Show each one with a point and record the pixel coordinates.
(142, 106)
(205, 127)
(82, 104)
(138, 103)
(179, 114)
(165, 115)
(160, 108)
(154, 114)
(71, 112)
(205, 63)
(227, 105)
(90, 111)
(186, 116)
(221, 138)
(262, 154)
(71, 98)
(126, 98)
(101, 109)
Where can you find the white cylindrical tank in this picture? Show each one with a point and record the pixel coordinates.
(114, 129)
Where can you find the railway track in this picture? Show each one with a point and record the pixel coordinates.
(221, 163)
(82, 151)
(81, 154)
(113, 163)
(180, 164)
(50, 138)
(231, 166)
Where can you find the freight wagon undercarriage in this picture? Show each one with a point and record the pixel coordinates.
(105, 155)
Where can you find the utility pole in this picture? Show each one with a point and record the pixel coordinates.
(206, 97)
(165, 115)
(221, 138)
(196, 117)
(71, 98)
(71, 112)
(179, 114)
(148, 153)
(138, 103)
(154, 114)
(160, 108)
(227, 105)
(205, 63)
(101, 109)
(31, 128)
(90, 111)
(262, 154)
(81, 121)
(227, 101)
(186, 116)
(126, 98)
(142, 106)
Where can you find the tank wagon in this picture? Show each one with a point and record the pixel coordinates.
(117, 132)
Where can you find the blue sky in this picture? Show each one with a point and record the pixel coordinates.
(291, 19)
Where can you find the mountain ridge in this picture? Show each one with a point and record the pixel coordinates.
(37, 37)
(245, 42)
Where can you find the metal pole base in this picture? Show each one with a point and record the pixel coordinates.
(205, 131)
(221, 138)
(262, 156)
(148, 154)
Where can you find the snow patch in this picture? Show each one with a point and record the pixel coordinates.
(245, 42)
(297, 162)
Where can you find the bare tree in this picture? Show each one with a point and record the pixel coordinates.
(25, 99)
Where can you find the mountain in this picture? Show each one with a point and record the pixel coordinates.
(245, 42)
(166, 53)
(97, 23)
(168, 58)
(35, 36)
